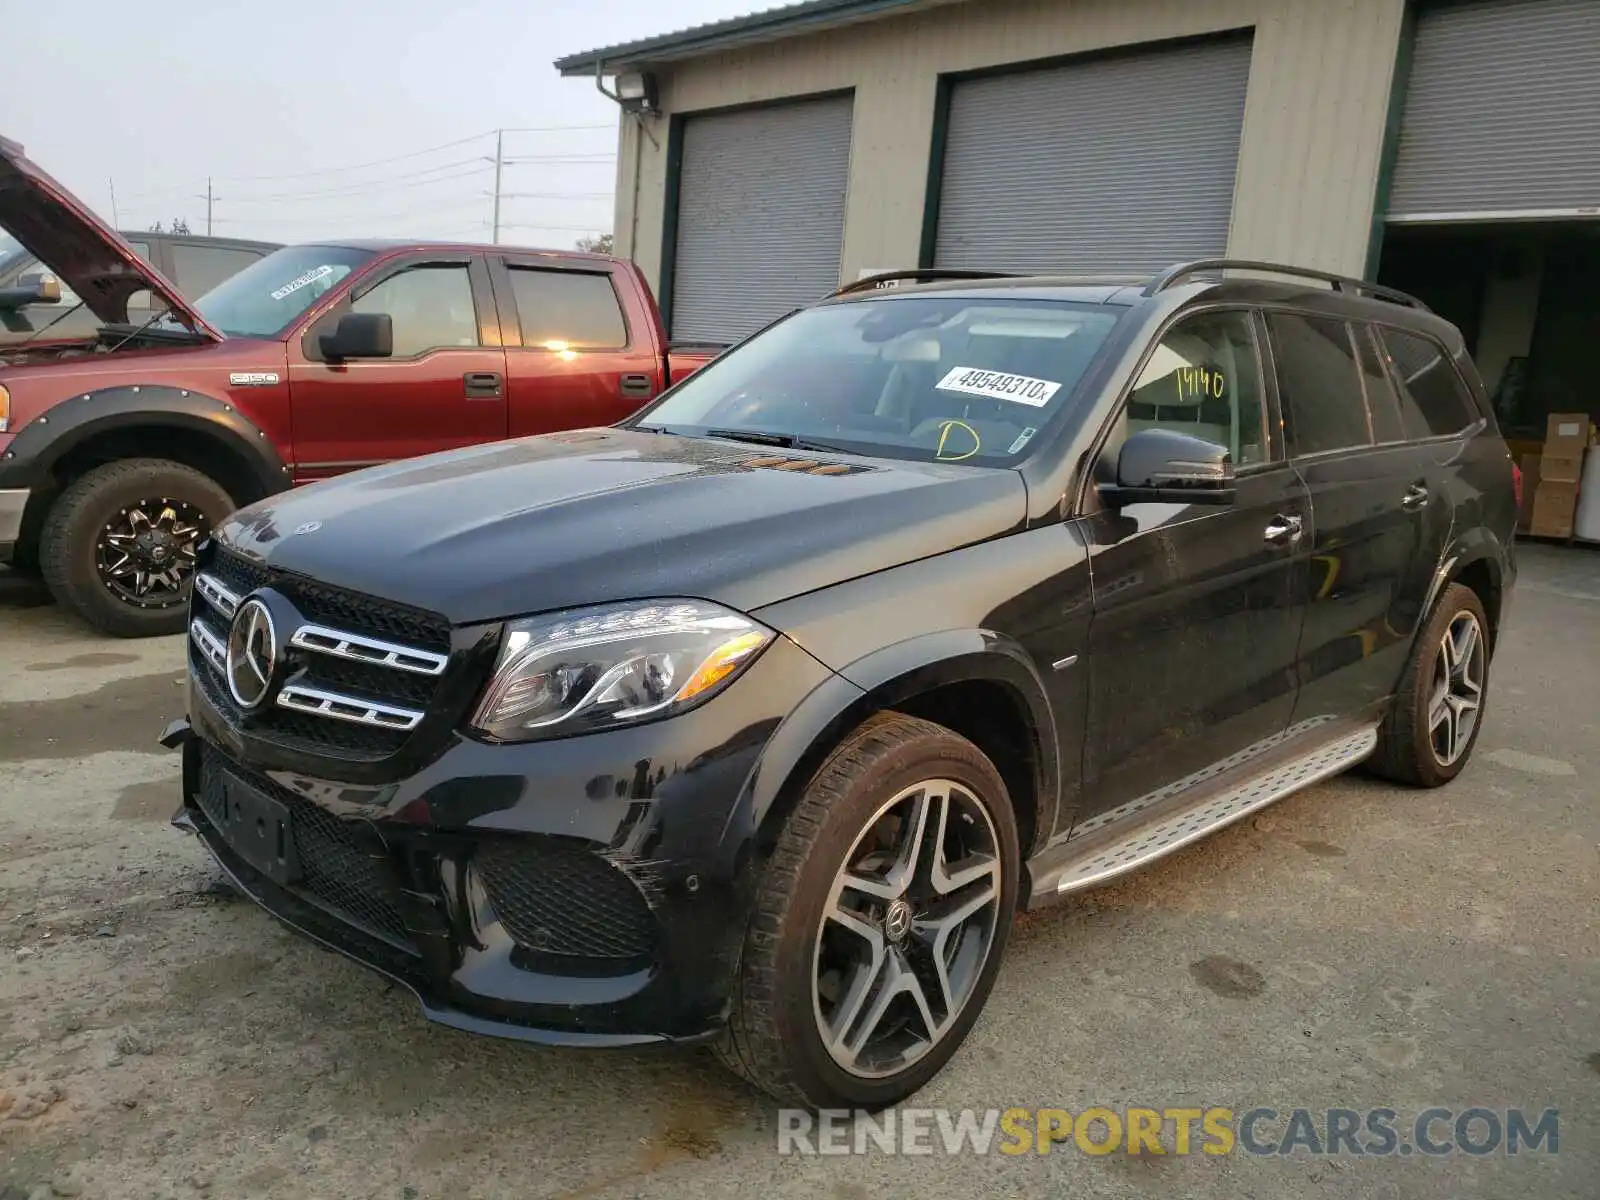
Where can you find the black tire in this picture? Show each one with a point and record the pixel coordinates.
(772, 1038)
(1407, 750)
(69, 542)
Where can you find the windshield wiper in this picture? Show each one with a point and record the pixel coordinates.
(788, 441)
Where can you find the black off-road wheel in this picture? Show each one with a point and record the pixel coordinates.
(1430, 730)
(880, 922)
(118, 545)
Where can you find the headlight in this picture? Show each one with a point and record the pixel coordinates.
(5, 409)
(597, 668)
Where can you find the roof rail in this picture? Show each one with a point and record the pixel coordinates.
(921, 273)
(1340, 283)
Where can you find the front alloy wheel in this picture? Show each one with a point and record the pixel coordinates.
(118, 545)
(879, 922)
(908, 927)
(146, 553)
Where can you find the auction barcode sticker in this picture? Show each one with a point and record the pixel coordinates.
(300, 281)
(997, 385)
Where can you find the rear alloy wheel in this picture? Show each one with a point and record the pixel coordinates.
(118, 546)
(1433, 724)
(880, 920)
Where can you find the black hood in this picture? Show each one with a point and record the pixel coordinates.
(609, 514)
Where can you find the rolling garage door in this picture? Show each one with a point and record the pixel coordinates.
(1502, 112)
(1113, 164)
(760, 215)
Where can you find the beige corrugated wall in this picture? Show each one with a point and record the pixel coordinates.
(1314, 119)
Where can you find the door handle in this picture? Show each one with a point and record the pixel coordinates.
(638, 386)
(482, 385)
(1416, 497)
(1283, 531)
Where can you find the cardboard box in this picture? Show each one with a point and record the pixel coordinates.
(1553, 507)
(1530, 485)
(1561, 468)
(1566, 433)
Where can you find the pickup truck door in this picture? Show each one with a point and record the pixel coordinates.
(581, 349)
(444, 386)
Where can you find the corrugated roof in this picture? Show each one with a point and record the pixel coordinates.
(774, 23)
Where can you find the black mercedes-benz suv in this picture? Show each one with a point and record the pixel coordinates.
(754, 719)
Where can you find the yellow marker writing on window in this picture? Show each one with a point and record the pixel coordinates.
(943, 455)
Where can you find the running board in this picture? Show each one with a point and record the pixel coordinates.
(1104, 851)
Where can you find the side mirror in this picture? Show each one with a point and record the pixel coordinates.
(359, 335)
(31, 289)
(1164, 466)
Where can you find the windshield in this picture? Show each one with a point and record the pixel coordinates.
(266, 297)
(951, 379)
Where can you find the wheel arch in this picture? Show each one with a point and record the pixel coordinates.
(140, 421)
(976, 683)
(1478, 562)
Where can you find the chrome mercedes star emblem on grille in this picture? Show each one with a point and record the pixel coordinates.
(252, 654)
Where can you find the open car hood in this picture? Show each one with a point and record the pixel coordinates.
(84, 252)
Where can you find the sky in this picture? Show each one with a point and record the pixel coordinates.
(327, 118)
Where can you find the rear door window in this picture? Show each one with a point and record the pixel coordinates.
(1324, 408)
(1433, 400)
(1382, 403)
(568, 310)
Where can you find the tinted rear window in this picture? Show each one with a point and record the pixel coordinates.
(1433, 400)
(1320, 384)
(1382, 404)
(568, 310)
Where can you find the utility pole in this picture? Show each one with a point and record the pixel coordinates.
(499, 162)
(209, 197)
(116, 222)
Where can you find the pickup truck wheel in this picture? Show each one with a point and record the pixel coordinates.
(118, 545)
(879, 923)
(1433, 724)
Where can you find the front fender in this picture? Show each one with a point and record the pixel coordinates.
(886, 678)
(31, 458)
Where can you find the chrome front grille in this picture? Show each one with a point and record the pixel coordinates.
(349, 690)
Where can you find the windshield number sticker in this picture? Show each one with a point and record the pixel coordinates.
(997, 385)
(300, 281)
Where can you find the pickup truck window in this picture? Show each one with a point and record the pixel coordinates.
(942, 378)
(431, 305)
(198, 269)
(568, 310)
(267, 297)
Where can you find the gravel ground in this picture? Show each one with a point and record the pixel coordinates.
(1357, 945)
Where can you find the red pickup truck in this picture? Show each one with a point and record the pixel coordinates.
(120, 450)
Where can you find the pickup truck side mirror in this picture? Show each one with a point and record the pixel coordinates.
(1164, 466)
(359, 335)
(31, 289)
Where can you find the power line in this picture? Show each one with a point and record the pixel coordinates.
(378, 162)
(357, 189)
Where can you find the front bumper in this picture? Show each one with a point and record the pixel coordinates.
(584, 891)
(13, 503)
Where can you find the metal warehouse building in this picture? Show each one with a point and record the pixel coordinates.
(1450, 147)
